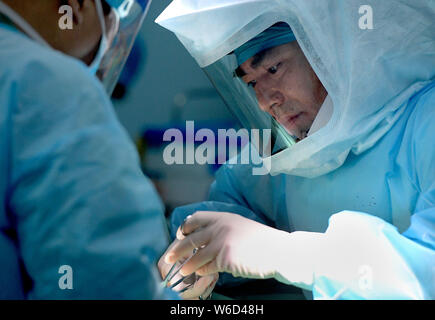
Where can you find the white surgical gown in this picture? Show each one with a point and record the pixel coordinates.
(71, 189)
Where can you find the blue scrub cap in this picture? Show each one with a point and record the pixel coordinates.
(118, 3)
(114, 3)
(278, 34)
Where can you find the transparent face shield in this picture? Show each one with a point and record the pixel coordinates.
(245, 99)
(122, 22)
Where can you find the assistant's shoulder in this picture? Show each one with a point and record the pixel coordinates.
(37, 71)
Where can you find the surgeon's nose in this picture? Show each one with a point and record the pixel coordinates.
(269, 99)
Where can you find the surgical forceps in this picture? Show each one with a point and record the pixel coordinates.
(171, 274)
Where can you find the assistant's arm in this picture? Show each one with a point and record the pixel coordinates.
(77, 193)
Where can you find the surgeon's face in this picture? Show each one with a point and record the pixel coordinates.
(286, 86)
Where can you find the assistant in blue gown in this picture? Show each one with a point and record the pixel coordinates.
(71, 189)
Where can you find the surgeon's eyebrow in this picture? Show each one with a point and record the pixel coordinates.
(259, 58)
(255, 63)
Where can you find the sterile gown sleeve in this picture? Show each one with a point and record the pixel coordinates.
(366, 257)
(76, 193)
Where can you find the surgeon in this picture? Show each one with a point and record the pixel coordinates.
(347, 207)
(78, 219)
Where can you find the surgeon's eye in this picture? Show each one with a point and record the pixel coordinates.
(252, 83)
(274, 69)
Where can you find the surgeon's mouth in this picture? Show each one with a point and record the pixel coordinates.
(292, 123)
(291, 120)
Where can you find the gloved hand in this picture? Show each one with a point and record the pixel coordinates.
(193, 287)
(243, 247)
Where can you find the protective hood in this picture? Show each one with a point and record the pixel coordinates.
(369, 74)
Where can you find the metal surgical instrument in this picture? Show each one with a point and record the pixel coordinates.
(171, 274)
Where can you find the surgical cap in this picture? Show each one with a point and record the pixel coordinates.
(119, 3)
(278, 34)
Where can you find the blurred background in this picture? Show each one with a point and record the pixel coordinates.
(162, 87)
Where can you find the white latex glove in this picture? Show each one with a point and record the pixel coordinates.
(194, 287)
(243, 247)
